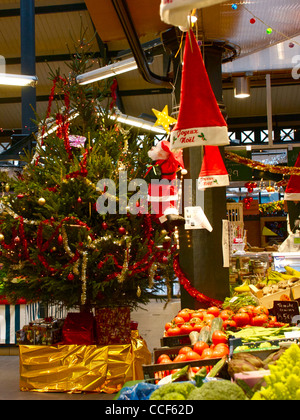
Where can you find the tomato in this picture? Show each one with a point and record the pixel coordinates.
(198, 314)
(229, 323)
(164, 359)
(195, 320)
(246, 311)
(161, 357)
(198, 326)
(241, 319)
(214, 310)
(207, 354)
(219, 337)
(258, 310)
(172, 331)
(168, 325)
(180, 358)
(259, 320)
(185, 350)
(186, 329)
(185, 314)
(222, 345)
(192, 355)
(178, 320)
(199, 346)
(220, 352)
(226, 314)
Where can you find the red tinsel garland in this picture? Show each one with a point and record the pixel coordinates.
(200, 297)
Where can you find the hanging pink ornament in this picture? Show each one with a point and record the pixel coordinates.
(291, 45)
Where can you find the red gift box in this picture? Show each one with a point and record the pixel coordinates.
(113, 325)
(79, 328)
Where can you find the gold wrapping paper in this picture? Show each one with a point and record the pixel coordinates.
(80, 368)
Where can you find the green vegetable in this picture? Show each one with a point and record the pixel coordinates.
(243, 299)
(261, 333)
(204, 334)
(218, 390)
(173, 391)
(284, 381)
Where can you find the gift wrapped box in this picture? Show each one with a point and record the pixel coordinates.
(113, 325)
(41, 332)
(79, 328)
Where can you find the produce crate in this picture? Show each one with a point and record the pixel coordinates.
(157, 371)
(177, 340)
(254, 346)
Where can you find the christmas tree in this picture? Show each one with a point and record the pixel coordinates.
(57, 243)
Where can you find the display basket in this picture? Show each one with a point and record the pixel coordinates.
(254, 346)
(156, 371)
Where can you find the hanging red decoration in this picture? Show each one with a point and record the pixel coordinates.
(200, 297)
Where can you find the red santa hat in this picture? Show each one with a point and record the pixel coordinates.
(292, 191)
(200, 121)
(213, 171)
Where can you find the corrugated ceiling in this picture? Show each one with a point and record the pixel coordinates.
(57, 31)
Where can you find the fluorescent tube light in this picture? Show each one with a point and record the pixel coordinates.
(107, 71)
(17, 80)
(137, 122)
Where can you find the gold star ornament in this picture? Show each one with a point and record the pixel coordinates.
(163, 118)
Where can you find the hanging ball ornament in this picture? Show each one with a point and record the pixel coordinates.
(291, 45)
(41, 201)
(252, 21)
(234, 6)
(269, 31)
(79, 200)
(7, 187)
(60, 240)
(70, 277)
(17, 239)
(104, 225)
(1, 237)
(122, 230)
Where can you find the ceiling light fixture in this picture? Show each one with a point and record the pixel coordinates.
(137, 122)
(107, 71)
(17, 80)
(241, 87)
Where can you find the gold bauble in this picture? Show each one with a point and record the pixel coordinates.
(1, 237)
(7, 187)
(41, 201)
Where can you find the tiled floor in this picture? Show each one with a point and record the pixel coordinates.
(9, 386)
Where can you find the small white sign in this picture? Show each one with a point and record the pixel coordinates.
(196, 219)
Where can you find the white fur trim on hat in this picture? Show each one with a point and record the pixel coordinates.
(200, 136)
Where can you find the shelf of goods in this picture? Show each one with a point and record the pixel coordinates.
(222, 348)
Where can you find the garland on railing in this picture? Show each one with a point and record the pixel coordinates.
(200, 297)
(253, 164)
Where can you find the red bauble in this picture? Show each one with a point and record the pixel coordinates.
(60, 240)
(79, 200)
(252, 21)
(17, 240)
(104, 225)
(70, 276)
(122, 230)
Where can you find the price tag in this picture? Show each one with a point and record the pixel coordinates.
(285, 310)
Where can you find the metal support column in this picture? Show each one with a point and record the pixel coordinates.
(201, 255)
(27, 14)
